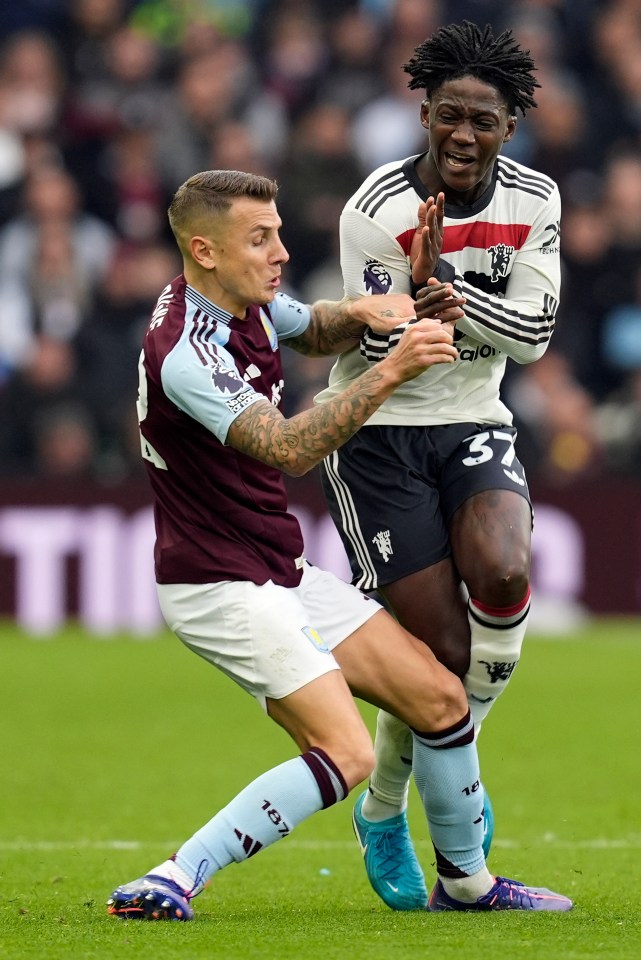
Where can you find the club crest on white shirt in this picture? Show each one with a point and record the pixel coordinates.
(501, 255)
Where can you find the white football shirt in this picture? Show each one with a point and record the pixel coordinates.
(503, 256)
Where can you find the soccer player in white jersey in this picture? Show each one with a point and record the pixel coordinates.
(232, 579)
(431, 493)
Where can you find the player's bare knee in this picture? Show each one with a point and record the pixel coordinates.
(362, 769)
(352, 753)
(355, 762)
(503, 585)
(513, 586)
(443, 707)
(451, 703)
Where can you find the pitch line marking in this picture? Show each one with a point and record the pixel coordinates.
(45, 846)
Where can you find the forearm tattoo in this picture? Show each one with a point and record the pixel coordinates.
(329, 327)
(298, 444)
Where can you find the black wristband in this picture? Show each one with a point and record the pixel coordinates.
(444, 272)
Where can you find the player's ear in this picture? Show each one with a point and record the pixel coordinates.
(202, 252)
(425, 113)
(510, 129)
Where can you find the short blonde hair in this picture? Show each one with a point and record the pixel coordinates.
(211, 193)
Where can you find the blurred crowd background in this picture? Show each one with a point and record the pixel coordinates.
(106, 106)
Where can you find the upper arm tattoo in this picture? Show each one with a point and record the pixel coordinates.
(329, 328)
(258, 432)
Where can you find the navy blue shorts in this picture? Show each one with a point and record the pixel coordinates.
(392, 491)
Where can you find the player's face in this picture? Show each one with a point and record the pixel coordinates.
(468, 123)
(248, 255)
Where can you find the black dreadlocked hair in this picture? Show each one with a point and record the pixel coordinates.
(465, 50)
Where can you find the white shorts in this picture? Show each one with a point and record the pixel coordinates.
(271, 640)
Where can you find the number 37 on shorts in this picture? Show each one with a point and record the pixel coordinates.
(497, 445)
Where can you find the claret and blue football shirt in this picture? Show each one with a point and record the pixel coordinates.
(220, 514)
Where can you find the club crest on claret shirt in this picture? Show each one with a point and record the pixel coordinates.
(268, 327)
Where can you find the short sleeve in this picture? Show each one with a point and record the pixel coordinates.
(289, 317)
(211, 391)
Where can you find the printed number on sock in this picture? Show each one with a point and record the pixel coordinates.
(468, 791)
(275, 818)
(481, 452)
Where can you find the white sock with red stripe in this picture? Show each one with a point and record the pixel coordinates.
(496, 639)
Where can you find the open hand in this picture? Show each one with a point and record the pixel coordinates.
(427, 241)
(382, 312)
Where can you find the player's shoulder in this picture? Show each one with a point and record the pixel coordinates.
(289, 316)
(167, 318)
(525, 180)
(385, 192)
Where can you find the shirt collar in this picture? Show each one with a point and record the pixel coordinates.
(207, 306)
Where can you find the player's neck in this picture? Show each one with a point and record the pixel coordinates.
(207, 287)
(433, 182)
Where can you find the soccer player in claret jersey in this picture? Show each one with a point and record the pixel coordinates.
(232, 580)
(431, 493)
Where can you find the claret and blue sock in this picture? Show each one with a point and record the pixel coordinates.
(267, 810)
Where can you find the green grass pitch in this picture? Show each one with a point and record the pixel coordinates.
(113, 751)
